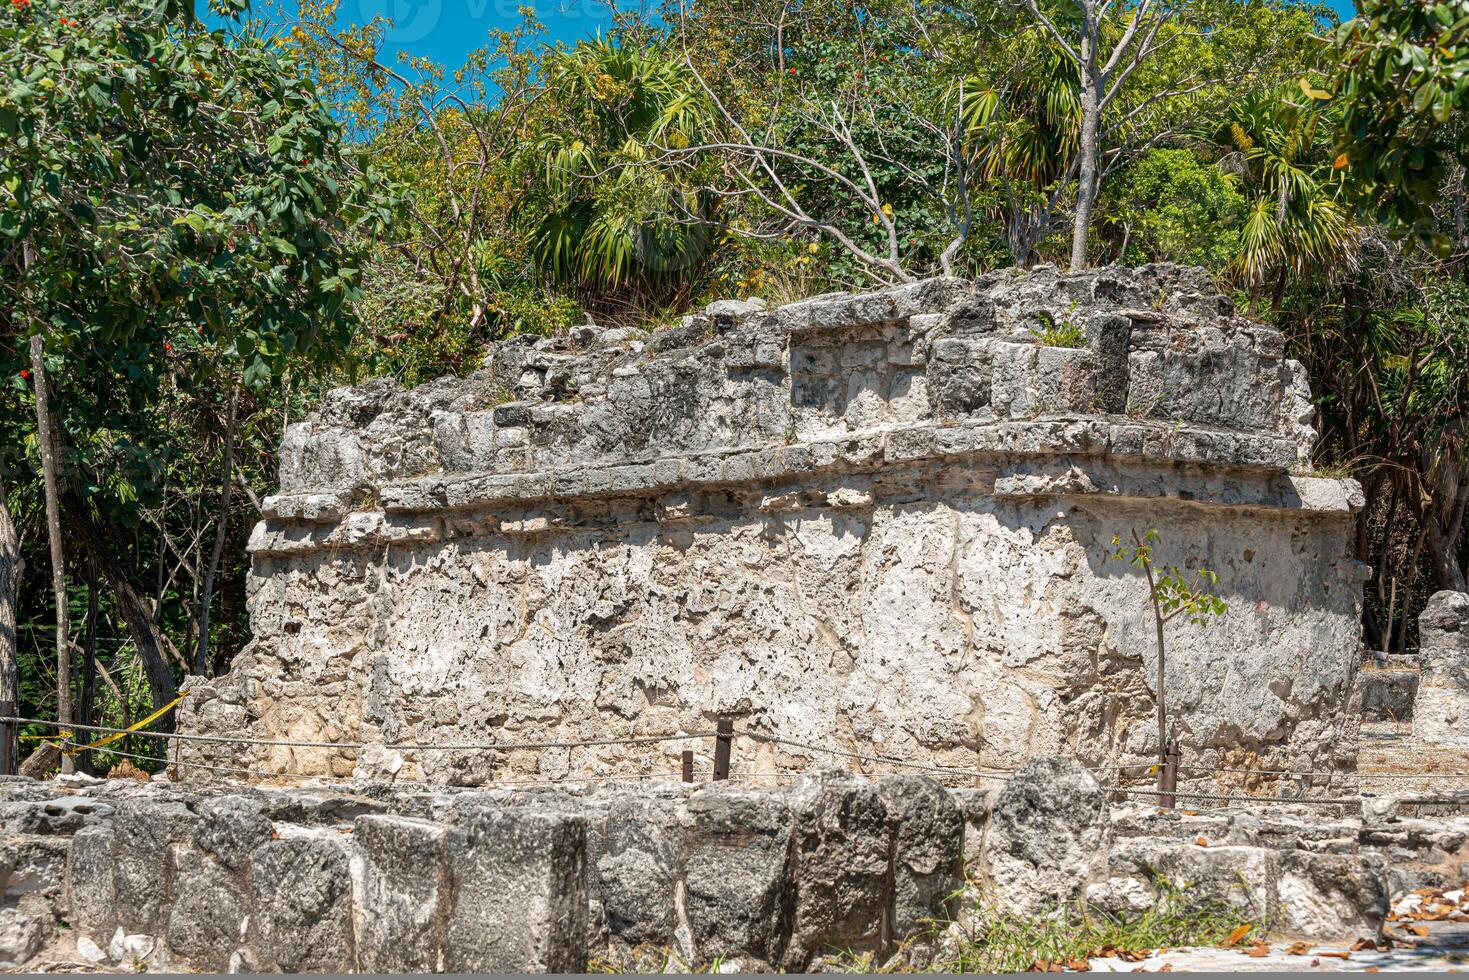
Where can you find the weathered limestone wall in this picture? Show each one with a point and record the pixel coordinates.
(876, 522)
(382, 878)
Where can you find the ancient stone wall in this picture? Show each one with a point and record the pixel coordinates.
(878, 523)
(392, 878)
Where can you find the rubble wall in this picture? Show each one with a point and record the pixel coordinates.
(877, 523)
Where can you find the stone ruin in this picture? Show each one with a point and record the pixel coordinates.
(414, 878)
(876, 523)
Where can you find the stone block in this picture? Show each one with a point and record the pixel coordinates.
(637, 869)
(841, 870)
(928, 852)
(519, 887)
(1441, 705)
(208, 913)
(230, 828)
(301, 888)
(736, 871)
(400, 894)
(1328, 896)
(21, 936)
(90, 892)
(1444, 623)
(1049, 834)
(144, 832)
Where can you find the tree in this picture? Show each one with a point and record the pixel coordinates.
(1402, 83)
(1171, 593)
(1103, 68)
(604, 222)
(183, 195)
(1296, 221)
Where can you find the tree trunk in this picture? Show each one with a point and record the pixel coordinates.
(104, 548)
(86, 710)
(9, 576)
(1086, 180)
(221, 526)
(44, 433)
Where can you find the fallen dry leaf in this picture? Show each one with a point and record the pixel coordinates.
(1201, 842)
(1363, 943)
(1299, 948)
(1080, 966)
(1258, 952)
(1236, 934)
(1373, 969)
(1336, 954)
(1419, 931)
(1166, 968)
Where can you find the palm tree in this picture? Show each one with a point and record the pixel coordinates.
(1297, 221)
(613, 225)
(1022, 130)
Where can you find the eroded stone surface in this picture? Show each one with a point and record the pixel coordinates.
(870, 520)
(1441, 705)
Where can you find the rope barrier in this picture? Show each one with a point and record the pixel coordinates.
(862, 757)
(65, 733)
(395, 746)
(1322, 774)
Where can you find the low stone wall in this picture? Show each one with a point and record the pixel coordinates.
(1389, 691)
(401, 880)
(409, 879)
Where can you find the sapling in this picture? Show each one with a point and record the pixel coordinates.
(1171, 593)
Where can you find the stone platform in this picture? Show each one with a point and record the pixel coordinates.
(876, 523)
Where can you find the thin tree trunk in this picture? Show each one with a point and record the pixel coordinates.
(87, 714)
(53, 531)
(9, 575)
(136, 612)
(1086, 187)
(221, 526)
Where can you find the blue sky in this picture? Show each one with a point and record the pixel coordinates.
(447, 30)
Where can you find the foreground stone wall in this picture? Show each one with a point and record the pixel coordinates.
(878, 523)
(389, 878)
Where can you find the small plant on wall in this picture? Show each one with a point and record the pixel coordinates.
(1171, 593)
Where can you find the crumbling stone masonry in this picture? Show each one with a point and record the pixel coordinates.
(874, 522)
(396, 878)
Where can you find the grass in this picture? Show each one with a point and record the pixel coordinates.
(1065, 334)
(996, 942)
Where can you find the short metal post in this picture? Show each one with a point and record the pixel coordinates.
(723, 740)
(688, 765)
(1168, 775)
(8, 748)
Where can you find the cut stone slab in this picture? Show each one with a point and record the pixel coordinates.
(400, 894)
(519, 880)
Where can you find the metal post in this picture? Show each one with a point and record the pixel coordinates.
(688, 765)
(1168, 775)
(8, 751)
(722, 743)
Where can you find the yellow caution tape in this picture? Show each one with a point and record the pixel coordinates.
(115, 736)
